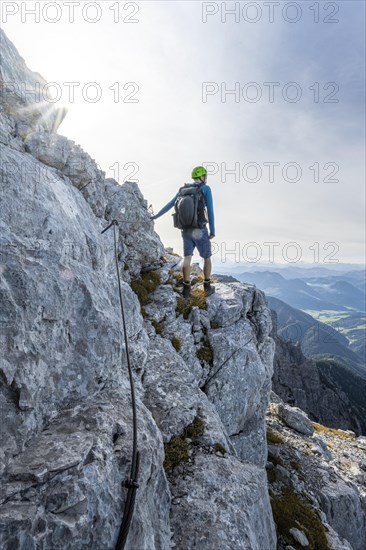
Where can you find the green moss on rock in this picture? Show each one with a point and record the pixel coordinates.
(319, 428)
(218, 448)
(199, 298)
(292, 510)
(176, 451)
(184, 306)
(178, 276)
(145, 285)
(177, 344)
(274, 437)
(195, 429)
(157, 326)
(205, 352)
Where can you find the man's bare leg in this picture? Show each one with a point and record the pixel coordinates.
(187, 277)
(187, 268)
(207, 267)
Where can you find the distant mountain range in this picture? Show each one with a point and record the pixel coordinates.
(345, 271)
(325, 314)
(326, 389)
(318, 340)
(339, 293)
(334, 292)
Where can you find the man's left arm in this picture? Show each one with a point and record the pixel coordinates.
(165, 208)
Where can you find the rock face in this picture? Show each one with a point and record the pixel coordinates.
(25, 101)
(317, 484)
(298, 381)
(202, 374)
(295, 418)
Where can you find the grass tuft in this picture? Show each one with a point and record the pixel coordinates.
(157, 326)
(198, 299)
(176, 450)
(145, 285)
(319, 428)
(205, 352)
(177, 344)
(291, 510)
(195, 429)
(274, 437)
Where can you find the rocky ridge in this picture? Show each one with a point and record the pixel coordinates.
(202, 375)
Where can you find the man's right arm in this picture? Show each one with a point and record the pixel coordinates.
(210, 209)
(165, 208)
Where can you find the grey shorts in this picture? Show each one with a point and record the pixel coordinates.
(193, 238)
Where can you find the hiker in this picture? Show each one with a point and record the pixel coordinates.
(193, 203)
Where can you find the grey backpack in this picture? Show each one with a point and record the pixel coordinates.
(190, 207)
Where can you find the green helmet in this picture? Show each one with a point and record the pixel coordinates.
(198, 172)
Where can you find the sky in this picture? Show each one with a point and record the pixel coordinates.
(270, 98)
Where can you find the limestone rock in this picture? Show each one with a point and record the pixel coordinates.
(218, 488)
(142, 247)
(25, 103)
(345, 511)
(239, 386)
(64, 155)
(170, 389)
(323, 478)
(299, 536)
(224, 312)
(320, 446)
(295, 418)
(65, 489)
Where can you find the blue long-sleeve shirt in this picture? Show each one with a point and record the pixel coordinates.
(207, 193)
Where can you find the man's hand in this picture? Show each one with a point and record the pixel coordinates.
(211, 237)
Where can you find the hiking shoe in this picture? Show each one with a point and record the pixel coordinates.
(208, 288)
(186, 293)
